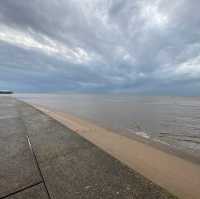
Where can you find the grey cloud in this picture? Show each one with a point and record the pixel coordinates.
(131, 45)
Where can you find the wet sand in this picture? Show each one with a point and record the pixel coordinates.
(179, 176)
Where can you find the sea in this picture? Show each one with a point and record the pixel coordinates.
(169, 120)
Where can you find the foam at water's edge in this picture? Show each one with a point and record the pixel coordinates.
(139, 133)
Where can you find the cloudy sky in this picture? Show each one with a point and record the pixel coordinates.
(140, 46)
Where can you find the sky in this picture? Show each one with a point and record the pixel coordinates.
(137, 46)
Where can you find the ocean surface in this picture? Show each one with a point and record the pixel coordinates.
(172, 121)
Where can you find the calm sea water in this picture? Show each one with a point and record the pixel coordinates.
(173, 121)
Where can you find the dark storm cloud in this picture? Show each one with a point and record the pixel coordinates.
(100, 45)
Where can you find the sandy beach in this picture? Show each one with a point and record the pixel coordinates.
(176, 174)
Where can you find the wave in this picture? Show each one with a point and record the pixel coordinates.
(139, 133)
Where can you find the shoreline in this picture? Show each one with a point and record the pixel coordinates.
(147, 141)
(179, 176)
(187, 155)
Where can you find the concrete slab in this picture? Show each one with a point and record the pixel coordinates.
(7, 112)
(7, 107)
(91, 173)
(36, 192)
(17, 167)
(74, 168)
(49, 138)
(10, 126)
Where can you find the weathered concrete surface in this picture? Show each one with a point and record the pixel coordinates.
(60, 162)
(17, 168)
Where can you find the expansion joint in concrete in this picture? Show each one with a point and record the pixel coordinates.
(21, 190)
(38, 167)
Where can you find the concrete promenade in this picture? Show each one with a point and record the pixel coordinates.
(41, 158)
